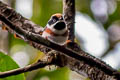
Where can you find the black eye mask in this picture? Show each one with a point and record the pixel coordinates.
(53, 20)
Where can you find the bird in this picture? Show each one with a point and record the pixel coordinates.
(56, 30)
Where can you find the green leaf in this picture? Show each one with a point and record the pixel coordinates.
(6, 64)
(59, 74)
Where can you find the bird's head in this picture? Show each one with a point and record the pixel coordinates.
(57, 23)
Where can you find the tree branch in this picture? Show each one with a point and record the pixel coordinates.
(75, 59)
(69, 15)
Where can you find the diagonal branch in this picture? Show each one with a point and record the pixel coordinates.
(75, 59)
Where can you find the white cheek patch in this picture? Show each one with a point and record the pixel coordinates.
(50, 27)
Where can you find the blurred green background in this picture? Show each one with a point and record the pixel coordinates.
(97, 30)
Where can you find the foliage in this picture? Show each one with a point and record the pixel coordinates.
(59, 74)
(43, 9)
(6, 64)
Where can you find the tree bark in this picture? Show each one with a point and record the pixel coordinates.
(73, 57)
(69, 16)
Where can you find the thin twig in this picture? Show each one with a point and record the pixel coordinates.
(49, 59)
(34, 66)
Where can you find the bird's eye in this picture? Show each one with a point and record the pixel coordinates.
(54, 20)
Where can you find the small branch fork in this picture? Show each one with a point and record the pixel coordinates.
(73, 57)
